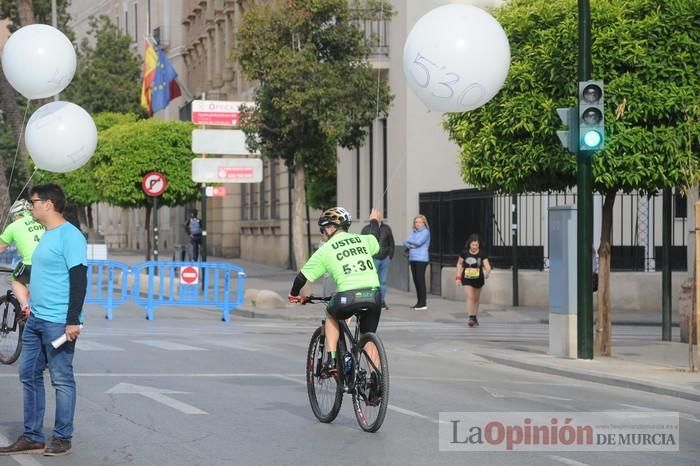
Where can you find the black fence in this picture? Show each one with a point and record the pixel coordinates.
(454, 215)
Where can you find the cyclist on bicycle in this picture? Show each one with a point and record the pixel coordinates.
(347, 257)
(25, 232)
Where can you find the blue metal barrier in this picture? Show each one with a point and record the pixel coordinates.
(10, 256)
(103, 288)
(164, 286)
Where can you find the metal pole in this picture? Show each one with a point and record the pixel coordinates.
(290, 182)
(584, 192)
(203, 248)
(666, 267)
(155, 228)
(514, 228)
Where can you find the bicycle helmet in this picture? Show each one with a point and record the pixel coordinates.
(19, 207)
(337, 216)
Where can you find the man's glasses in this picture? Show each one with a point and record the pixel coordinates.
(32, 201)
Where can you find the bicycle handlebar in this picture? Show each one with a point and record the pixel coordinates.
(317, 299)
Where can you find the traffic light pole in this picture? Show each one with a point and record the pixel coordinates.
(584, 193)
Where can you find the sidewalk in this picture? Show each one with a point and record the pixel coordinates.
(656, 366)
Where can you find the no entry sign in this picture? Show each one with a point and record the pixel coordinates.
(189, 275)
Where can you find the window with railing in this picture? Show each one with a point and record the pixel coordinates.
(376, 30)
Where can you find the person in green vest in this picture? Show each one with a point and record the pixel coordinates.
(25, 233)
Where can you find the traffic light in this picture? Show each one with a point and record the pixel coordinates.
(569, 137)
(591, 120)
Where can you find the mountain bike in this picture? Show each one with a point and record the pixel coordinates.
(11, 326)
(363, 371)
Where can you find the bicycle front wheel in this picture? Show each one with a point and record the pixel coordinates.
(370, 398)
(10, 330)
(325, 391)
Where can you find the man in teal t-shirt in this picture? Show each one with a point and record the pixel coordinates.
(347, 257)
(58, 287)
(25, 233)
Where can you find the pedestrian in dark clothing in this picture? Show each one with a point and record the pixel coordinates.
(473, 268)
(193, 227)
(382, 260)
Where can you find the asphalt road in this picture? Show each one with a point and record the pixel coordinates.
(188, 389)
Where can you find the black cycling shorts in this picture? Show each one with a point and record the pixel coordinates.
(345, 304)
(22, 273)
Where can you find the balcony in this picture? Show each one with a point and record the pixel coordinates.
(376, 34)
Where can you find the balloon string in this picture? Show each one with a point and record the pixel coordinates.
(379, 73)
(19, 143)
(7, 217)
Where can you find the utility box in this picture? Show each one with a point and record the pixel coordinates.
(562, 282)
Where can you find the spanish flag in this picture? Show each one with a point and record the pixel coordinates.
(150, 60)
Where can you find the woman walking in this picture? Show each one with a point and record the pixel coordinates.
(472, 268)
(418, 244)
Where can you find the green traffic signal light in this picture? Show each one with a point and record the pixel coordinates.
(591, 117)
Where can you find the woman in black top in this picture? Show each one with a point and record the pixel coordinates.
(472, 268)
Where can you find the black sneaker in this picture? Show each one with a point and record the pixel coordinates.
(374, 393)
(58, 447)
(330, 367)
(385, 307)
(473, 322)
(23, 445)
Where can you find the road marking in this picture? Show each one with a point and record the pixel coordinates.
(155, 394)
(408, 412)
(24, 460)
(499, 393)
(391, 407)
(87, 345)
(169, 345)
(236, 345)
(686, 416)
(564, 460)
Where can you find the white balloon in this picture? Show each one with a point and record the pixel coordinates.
(61, 137)
(456, 58)
(38, 61)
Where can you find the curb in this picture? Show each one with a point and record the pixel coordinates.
(596, 378)
(631, 323)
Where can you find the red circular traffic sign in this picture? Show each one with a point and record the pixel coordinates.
(154, 183)
(189, 275)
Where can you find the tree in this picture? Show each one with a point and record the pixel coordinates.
(126, 152)
(652, 114)
(79, 185)
(108, 75)
(25, 12)
(316, 90)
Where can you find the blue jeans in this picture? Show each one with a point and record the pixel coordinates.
(37, 354)
(382, 266)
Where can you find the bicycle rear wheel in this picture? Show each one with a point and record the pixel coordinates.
(370, 398)
(325, 392)
(10, 330)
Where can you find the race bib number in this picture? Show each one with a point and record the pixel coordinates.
(471, 272)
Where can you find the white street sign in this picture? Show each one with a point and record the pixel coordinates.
(227, 170)
(217, 112)
(155, 394)
(219, 141)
